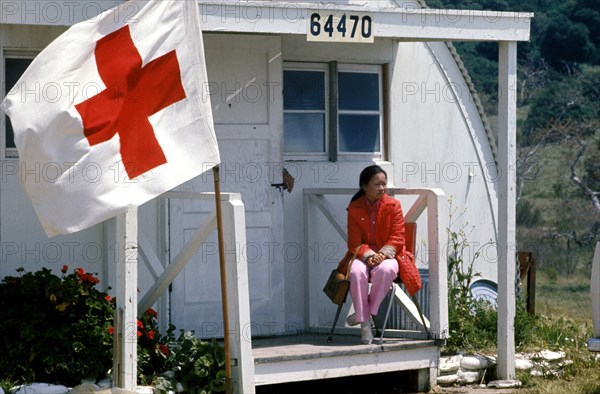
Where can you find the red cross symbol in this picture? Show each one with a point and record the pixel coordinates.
(132, 94)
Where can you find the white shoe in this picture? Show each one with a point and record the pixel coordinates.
(365, 332)
(351, 320)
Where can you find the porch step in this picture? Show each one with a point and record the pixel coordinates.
(309, 357)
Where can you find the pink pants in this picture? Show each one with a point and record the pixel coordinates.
(381, 278)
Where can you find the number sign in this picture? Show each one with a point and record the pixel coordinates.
(336, 26)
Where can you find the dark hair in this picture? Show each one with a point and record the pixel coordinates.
(365, 177)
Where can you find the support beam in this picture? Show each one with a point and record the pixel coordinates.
(507, 142)
(408, 23)
(437, 237)
(125, 336)
(167, 277)
(238, 295)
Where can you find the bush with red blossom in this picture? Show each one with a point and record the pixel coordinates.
(54, 328)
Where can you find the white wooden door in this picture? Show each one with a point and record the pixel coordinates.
(245, 87)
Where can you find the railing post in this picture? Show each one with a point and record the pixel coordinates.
(125, 341)
(437, 225)
(234, 224)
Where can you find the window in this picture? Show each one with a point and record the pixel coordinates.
(305, 111)
(332, 111)
(14, 67)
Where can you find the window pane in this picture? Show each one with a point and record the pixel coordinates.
(359, 133)
(304, 132)
(358, 91)
(14, 69)
(304, 90)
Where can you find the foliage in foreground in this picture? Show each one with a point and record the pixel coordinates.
(54, 329)
(473, 328)
(59, 330)
(194, 366)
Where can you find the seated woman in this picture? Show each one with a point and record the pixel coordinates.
(375, 221)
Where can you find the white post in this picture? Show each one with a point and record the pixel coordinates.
(595, 292)
(234, 226)
(594, 343)
(125, 340)
(437, 225)
(507, 139)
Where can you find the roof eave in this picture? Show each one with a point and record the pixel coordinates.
(407, 24)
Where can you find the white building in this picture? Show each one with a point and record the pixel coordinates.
(287, 94)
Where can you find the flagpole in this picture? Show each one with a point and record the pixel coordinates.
(228, 378)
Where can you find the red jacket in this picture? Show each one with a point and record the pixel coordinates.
(389, 230)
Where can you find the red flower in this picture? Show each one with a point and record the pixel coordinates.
(108, 298)
(111, 330)
(163, 349)
(150, 334)
(80, 272)
(64, 269)
(140, 324)
(91, 279)
(139, 334)
(151, 312)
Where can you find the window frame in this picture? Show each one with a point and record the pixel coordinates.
(332, 112)
(8, 53)
(317, 67)
(362, 156)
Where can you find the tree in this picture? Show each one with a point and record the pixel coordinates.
(566, 42)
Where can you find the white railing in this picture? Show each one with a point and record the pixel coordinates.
(234, 232)
(430, 200)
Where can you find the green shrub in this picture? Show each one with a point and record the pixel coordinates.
(193, 366)
(54, 329)
(59, 330)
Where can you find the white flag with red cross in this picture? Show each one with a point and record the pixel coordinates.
(112, 114)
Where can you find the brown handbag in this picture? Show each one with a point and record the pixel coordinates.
(337, 285)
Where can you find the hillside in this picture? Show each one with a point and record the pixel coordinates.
(558, 168)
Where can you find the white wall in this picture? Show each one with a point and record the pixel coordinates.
(438, 140)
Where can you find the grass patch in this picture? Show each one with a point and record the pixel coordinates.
(559, 295)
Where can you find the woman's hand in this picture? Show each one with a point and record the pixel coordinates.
(375, 260)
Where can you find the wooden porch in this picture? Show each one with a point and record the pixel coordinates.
(308, 356)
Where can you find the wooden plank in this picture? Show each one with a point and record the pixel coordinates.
(507, 142)
(408, 23)
(150, 258)
(409, 307)
(178, 264)
(326, 210)
(309, 357)
(125, 364)
(416, 209)
(238, 300)
(437, 227)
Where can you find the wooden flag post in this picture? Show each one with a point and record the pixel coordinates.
(228, 376)
(125, 324)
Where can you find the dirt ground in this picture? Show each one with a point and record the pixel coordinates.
(472, 390)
